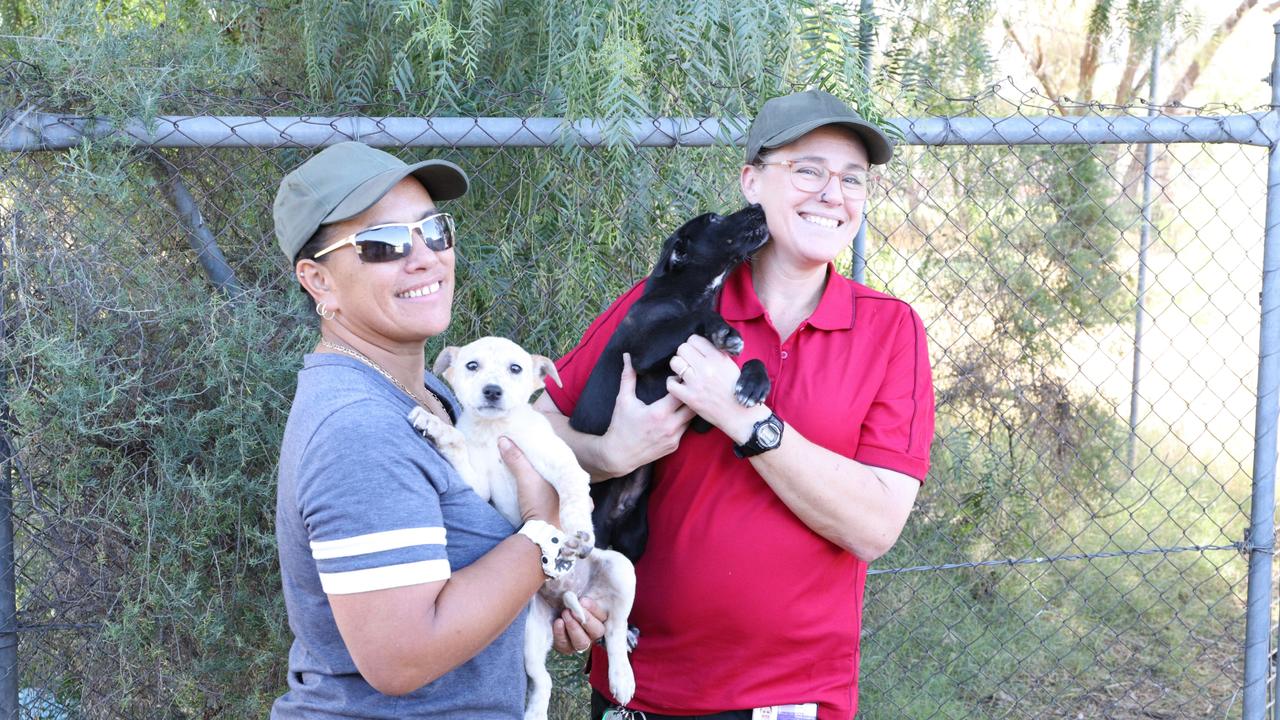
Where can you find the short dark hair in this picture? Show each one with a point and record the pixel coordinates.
(317, 242)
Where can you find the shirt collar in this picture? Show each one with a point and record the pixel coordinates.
(738, 301)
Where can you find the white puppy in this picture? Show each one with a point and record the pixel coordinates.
(493, 379)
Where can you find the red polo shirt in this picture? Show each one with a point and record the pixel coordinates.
(739, 604)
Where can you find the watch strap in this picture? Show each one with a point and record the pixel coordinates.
(549, 540)
(754, 446)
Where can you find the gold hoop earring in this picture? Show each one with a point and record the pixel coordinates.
(323, 312)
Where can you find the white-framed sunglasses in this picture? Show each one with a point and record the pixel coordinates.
(393, 241)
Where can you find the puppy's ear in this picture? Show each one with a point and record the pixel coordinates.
(678, 250)
(546, 368)
(444, 360)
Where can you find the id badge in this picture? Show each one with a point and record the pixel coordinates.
(806, 711)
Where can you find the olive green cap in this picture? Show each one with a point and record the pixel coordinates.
(343, 181)
(785, 119)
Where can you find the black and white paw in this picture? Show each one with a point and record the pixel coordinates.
(633, 637)
(728, 340)
(753, 384)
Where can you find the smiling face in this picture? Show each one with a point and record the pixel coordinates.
(809, 229)
(401, 302)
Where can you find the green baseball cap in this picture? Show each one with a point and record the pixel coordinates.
(343, 181)
(785, 119)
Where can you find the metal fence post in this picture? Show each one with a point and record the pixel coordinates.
(1257, 651)
(1139, 316)
(8, 588)
(866, 34)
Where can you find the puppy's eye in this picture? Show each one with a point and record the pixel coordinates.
(515, 369)
(473, 366)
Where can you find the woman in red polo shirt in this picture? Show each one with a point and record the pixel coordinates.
(750, 591)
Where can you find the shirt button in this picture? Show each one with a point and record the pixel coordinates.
(784, 354)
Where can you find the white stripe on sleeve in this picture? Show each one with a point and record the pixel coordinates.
(377, 542)
(381, 578)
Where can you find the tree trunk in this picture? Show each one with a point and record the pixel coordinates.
(188, 213)
(1125, 88)
(1098, 23)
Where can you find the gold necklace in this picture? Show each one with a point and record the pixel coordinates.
(438, 408)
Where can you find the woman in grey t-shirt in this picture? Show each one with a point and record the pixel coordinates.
(405, 591)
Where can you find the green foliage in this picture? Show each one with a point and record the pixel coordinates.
(934, 52)
(159, 409)
(124, 59)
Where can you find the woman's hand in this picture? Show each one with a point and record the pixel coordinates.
(705, 381)
(537, 499)
(570, 636)
(638, 434)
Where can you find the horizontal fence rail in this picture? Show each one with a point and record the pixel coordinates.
(32, 131)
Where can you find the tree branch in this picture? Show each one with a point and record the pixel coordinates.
(1035, 61)
(198, 235)
(1206, 52)
(1133, 55)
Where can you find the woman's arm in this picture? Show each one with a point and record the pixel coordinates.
(403, 638)
(858, 507)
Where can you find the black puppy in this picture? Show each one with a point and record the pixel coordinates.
(678, 300)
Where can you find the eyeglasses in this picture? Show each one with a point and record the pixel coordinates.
(392, 241)
(812, 177)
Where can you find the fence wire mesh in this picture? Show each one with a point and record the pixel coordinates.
(1041, 575)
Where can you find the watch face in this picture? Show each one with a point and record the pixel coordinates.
(769, 435)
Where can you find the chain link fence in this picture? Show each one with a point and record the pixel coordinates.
(1058, 564)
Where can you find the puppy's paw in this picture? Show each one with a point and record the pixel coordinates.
(586, 542)
(727, 339)
(568, 553)
(575, 519)
(633, 637)
(753, 384)
(571, 601)
(441, 434)
(580, 543)
(622, 682)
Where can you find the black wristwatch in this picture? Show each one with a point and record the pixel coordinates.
(765, 435)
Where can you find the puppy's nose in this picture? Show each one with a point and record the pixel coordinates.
(492, 392)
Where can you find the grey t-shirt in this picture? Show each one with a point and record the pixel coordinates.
(365, 503)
